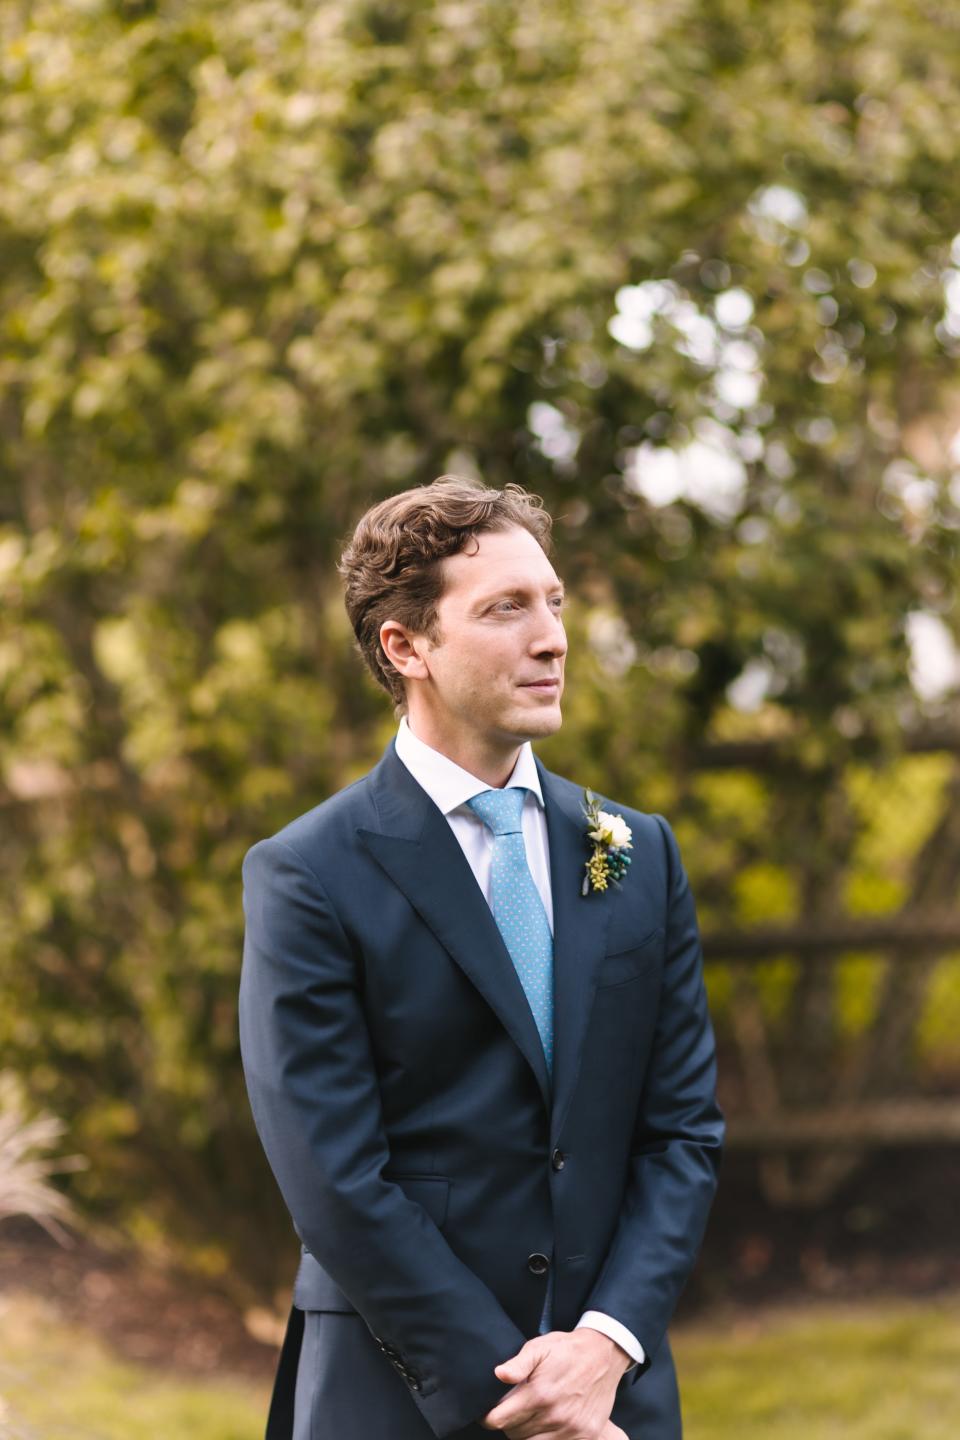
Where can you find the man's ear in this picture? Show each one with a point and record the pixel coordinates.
(403, 648)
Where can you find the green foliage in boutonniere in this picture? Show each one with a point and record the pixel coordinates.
(612, 838)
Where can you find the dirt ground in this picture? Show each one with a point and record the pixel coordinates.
(144, 1313)
(890, 1231)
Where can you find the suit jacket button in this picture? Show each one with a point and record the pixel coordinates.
(558, 1159)
(537, 1264)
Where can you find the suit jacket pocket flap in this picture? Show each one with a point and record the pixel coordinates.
(430, 1191)
(313, 1288)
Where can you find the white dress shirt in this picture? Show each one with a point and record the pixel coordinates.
(450, 787)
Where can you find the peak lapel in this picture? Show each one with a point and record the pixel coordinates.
(579, 936)
(415, 846)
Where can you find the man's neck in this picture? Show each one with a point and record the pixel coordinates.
(491, 763)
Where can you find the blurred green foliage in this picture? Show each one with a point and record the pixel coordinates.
(262, 264)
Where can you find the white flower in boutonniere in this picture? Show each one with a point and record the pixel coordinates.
(612, 837)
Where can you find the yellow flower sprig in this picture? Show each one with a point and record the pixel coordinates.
(612, 838)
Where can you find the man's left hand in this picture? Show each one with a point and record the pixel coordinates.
(565, 1385)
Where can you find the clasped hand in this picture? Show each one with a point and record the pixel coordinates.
(565, 1383)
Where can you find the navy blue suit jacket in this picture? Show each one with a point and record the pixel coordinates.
(399, 1088)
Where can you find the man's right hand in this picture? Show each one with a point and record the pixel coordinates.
(609, 1432)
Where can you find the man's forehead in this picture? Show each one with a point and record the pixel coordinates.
(503, 574)
(500, 560)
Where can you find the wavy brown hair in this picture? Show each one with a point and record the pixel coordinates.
(391, 565)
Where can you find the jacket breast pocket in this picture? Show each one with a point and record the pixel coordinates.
(314, 1289)
(626, 962)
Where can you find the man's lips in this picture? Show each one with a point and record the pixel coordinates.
(553, 684)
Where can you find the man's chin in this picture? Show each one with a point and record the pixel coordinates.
(539, 724)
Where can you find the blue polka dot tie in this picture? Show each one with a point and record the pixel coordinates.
(522, 921)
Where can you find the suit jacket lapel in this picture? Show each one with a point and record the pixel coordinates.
(579, 936)
(415, 846)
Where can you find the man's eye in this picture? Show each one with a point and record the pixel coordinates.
(557, 602)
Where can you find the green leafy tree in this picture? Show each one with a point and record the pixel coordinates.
(685, 270)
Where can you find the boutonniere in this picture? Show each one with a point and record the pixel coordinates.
(612, 838)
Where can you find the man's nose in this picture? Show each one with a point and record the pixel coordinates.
(551, 636)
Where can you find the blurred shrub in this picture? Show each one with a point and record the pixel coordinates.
(26, 1166)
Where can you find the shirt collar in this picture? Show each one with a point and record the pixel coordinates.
(447, 783)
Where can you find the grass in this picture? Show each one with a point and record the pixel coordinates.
(60, 1383)
(881, 1371)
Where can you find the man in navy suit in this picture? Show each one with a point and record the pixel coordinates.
(475, 1040)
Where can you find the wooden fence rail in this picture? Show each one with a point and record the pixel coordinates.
(921, 934)
(890, 1122)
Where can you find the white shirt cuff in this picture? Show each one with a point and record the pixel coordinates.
(596, 1320)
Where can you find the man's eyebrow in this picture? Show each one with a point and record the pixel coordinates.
(521, 587)
(518, 589)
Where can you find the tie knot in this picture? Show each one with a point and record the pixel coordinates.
(500, 809)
